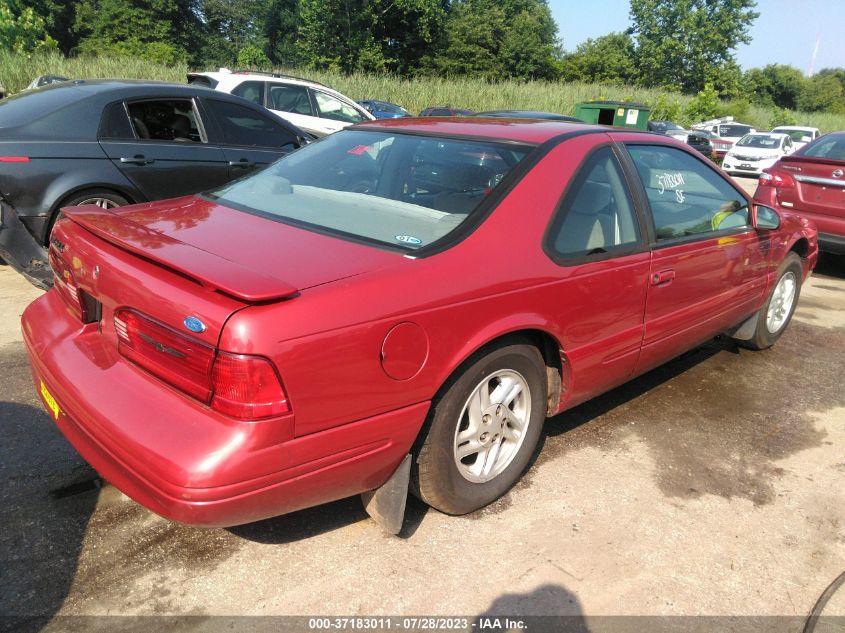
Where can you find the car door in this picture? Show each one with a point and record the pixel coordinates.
(596, 238)
(334, 113)
(250, 140)
(708, 264)
(168, 153)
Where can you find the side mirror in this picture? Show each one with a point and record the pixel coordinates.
(764, 218)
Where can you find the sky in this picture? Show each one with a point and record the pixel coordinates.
(785, 32)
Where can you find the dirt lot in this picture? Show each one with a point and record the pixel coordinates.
(712, 485)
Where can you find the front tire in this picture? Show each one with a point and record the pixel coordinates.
(482, 433)
(777, 312)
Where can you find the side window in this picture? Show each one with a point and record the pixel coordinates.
(251, 91)
(115, 122)
(290, 98)
(686, 197)
(597, 215)
(242, 126)
(165, 120)
(335, 109)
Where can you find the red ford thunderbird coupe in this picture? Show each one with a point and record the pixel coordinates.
(399, 305)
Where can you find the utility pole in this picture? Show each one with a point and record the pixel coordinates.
(815, 54)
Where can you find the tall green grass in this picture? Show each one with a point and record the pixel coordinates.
(16, 71)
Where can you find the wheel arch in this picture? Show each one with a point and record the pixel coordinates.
(537, 335)
(131, 196)
(801, 247)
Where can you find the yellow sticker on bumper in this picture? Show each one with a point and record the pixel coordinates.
(50, 401)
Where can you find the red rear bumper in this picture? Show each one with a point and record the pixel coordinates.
(186, 462)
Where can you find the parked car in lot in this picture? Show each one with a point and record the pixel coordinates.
(811, 182)
(384, 109)
(307, 104)
(751, 154)
(529, 114)
(111, 143)
(446, 111)
(701, 141)
(800, 135)
(401, 299)
(668, 128)
(727, 133)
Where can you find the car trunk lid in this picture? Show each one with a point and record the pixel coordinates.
(235, 253)
(189, 259)
(819, 191)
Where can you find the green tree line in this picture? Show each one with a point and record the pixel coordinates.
(684, 46)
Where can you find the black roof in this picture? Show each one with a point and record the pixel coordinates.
(71, 110)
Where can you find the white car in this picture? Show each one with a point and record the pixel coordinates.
(799, 134)
(751, 154)
(309, 105)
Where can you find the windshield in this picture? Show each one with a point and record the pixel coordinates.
(756, 140)
(383, 106)
(830, 147)
(734, 130)
(402, 190)
(663, 126)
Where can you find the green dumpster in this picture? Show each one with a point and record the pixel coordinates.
(617, 113)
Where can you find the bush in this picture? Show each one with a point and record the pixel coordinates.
(662, 109)
(705, 105)
(781, 116)
(253, 57)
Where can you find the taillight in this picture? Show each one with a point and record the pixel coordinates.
(65, 282)
(177, 359)
(776, 179)
(14, 159)
(247, 387)
(238, 385)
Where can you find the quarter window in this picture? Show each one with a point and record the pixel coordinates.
(597, 215)
(251, 91)
(686, 197)
(115, 122)
(242, 126)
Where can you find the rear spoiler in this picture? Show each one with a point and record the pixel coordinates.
(207, 269)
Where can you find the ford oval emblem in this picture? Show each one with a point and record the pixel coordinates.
(194, 324)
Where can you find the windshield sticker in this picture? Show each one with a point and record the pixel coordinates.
(409, 239)
(671, 181)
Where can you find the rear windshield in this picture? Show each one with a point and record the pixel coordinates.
(830, 147)
(796, 135)
(753, 140)
(31, 105)
(734, 130)
(402, 190)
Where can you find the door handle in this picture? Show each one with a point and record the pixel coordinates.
(244, 162)
(663, 277)
(138, 159)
